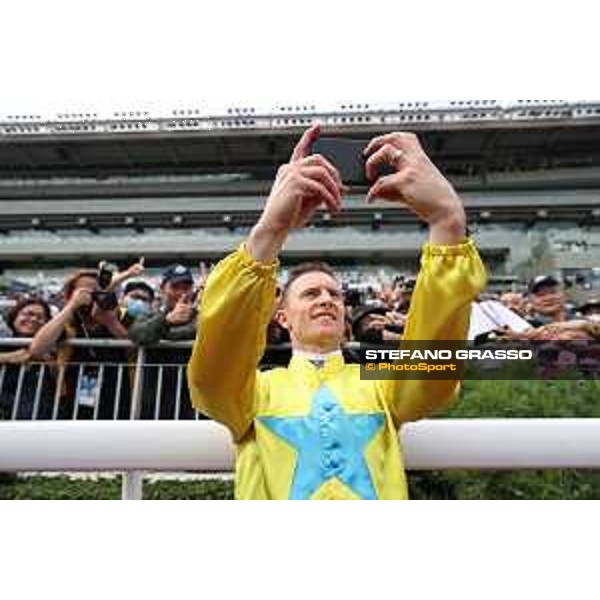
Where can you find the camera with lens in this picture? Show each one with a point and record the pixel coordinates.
(103, 298)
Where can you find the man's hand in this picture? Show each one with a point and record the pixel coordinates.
(136, 269)
(80, 298)
(395, 319)
(301, 186)
(416, 183)
(182, 313)
(377, 322)
(110, 320)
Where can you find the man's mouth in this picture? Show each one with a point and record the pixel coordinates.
(325, 314)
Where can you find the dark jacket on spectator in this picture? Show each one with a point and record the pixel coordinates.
(160, 401)
(151, 329)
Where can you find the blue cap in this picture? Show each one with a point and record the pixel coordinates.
(177, 274)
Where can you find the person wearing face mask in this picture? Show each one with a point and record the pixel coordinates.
(174, 320)
(316, 430)
(136, 302)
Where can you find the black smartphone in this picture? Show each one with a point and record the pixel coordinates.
(346, 155)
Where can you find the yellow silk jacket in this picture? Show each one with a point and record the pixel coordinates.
(303, 432)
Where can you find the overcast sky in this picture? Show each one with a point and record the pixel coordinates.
(63, 55)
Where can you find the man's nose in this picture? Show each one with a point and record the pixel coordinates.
(325, 297)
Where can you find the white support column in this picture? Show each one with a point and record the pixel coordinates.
(132, 485)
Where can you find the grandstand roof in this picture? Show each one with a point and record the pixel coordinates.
(81, 188)
(463, 140)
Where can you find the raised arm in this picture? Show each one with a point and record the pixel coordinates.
(134, 270)
(238, 299)
(235, 311)
(451, 275)
(449, 280)
(301, 186)
(46, 338)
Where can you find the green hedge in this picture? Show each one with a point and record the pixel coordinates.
(524, 399)
(516, 399)
(448, 485)
(109, 488)
(479, 399)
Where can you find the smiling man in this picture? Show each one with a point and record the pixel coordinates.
(314, 429)
(312, 309)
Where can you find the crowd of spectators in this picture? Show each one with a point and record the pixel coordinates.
(108, 304)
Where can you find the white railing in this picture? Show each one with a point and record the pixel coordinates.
(133, 447)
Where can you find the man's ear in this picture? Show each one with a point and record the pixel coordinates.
(281, 318)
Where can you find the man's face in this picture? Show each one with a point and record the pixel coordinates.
(173, 291)
(313, 312)
(548, 300)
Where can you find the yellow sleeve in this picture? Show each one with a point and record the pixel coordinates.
(449, 280)
(236, 307)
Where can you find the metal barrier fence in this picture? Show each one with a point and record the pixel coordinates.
(108, 380)
(117, 380)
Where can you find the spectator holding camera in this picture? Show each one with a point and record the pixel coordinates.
(89, 312)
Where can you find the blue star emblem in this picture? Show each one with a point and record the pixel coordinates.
(330, 443)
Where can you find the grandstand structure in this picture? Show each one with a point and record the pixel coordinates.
(187, 184)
